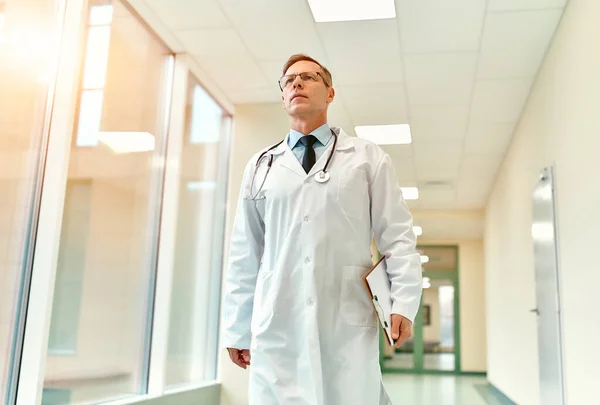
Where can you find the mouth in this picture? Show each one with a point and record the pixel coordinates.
(296, 96)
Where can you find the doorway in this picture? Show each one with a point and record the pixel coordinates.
(435, 343)
(547, 278)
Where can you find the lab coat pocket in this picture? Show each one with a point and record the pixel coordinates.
(352, 194)
(356, 306)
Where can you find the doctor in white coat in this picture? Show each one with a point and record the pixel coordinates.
(296, 311)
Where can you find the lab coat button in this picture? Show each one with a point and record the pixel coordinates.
(307, 260)
(306, 218)
(309, 302)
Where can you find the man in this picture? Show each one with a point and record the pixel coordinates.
(296, 310)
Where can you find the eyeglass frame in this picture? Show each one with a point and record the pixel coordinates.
(298, 74)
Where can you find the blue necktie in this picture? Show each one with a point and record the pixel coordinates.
(309, 158)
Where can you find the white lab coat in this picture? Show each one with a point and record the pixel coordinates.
(294, 294)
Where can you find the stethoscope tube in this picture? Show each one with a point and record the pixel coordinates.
(323, 175)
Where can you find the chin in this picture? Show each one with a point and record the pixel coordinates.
(297, 110)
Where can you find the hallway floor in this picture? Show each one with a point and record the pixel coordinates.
(405, 389)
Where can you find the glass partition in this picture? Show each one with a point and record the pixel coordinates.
(28, 30)
(192, 355)
(101, 317)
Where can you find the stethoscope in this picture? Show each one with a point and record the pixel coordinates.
(321, 177)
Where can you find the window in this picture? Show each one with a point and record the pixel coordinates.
(69, 274)
(192, 355)
(1, 19)
(23, 129)
(103, 295)
(94, 73)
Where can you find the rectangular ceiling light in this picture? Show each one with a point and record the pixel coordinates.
(410, 193)
(127, 142)
(351, 10)
(201, 185)
(385, 134)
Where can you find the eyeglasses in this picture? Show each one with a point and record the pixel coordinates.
(307, 77)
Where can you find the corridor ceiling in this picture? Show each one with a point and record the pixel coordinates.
(458, 71)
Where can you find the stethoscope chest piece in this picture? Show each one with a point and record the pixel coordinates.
(322, 177)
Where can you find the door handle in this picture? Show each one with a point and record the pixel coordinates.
(535, 310)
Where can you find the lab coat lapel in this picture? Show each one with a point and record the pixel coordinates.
(290, 161)
(343, 143)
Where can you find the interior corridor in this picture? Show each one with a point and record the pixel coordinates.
(412, 389)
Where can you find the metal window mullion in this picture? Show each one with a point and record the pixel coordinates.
(168, 231)
(46, 247)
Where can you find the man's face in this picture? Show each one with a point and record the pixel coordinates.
(304, 98)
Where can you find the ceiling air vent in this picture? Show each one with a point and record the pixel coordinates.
(437, 184)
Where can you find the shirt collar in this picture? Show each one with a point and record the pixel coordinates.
(323, 135)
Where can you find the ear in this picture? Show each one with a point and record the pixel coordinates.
(330, 95)
(283, 101)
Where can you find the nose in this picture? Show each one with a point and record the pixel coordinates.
(298, 82)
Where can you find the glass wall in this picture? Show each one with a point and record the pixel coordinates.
(95, 247)
(28, 30)
(193, 327)
(98, 347)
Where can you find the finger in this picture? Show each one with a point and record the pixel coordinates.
(246, 356)
(405, 332)
(240, 362)
(396, 321)
(236, 358)
(403, 337)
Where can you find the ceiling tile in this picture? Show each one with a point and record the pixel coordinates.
(445, 113)
(218, 42)
(378, 60)
(189, 14)
(499, 101)
(273, 70)
(338, 116)
(479, 163)
(440, 78)
(429, 196)
(225, 71)
(440, 25)
(514, 44)
(510, 5)
(473, 191)
(153, 20)
(405, 170)
(441, 154)
(398, 151)
(438, 122)
(262, 95)
(275, 29)
(437, 173)
(375, 104)
(488, 138)
(478, 172)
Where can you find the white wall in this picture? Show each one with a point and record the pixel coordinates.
(471, 278)
(558, 126)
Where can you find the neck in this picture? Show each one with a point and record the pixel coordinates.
(306, 125)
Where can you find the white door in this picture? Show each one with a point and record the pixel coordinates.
(543, 231)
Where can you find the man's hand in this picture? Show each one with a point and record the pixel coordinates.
(241, 357)
(401, 329)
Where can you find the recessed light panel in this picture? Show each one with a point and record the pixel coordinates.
(410, 193)
(351, 10)
(385, 134)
